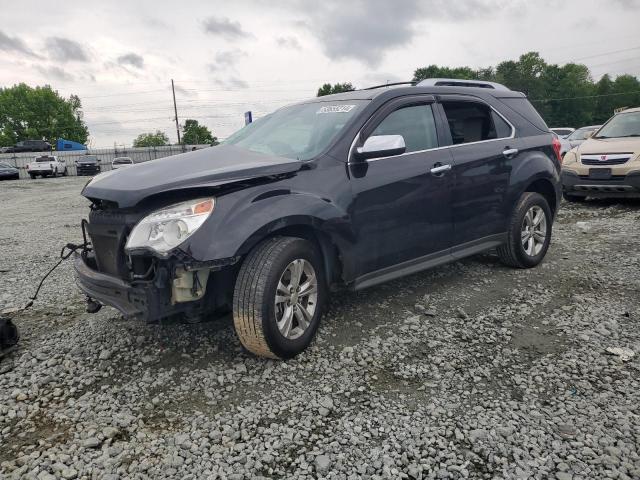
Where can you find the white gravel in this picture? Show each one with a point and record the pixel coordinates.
(472, 370)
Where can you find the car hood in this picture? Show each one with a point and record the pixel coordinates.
(610, 145)
(207, 167)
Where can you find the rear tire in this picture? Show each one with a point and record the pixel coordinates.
(271, 313)
(529, 232)
(33, 177)
(64, 172)
(574, 198)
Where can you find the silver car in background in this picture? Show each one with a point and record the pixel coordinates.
(565, 146)
(121, 162)
(581, 134)
(562, 132)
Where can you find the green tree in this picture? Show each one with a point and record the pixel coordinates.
(434, 71)
(194, 134)
(568, 95)
(38, 113)
(564, 95)
(328, 89)
(151, 139)
(605, 102)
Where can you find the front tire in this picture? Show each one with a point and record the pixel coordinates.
(278, 298)
(529, 232)
(33, 177)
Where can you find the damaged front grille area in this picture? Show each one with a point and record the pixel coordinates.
(108, 231)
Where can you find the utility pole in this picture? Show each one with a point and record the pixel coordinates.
(175, 109)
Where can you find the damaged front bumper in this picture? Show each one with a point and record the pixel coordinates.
(192, 289)
(143, 300)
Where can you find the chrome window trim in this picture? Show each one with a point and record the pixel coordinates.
(512, 136)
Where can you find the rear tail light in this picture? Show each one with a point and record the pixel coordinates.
(556, 148)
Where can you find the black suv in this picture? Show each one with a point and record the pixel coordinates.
(352, 190)
(87, 165)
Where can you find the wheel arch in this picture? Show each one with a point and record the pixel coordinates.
(544, 187)
(310, 229)
(536, 172)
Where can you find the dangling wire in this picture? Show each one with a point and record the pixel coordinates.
(65, 253)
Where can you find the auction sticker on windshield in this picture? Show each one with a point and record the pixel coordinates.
(336, 109)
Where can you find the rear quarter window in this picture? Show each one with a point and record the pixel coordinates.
(522, 107)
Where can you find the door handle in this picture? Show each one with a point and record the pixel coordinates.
(510, 152)
(439, 168)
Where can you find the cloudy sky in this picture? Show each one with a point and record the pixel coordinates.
(229, 57)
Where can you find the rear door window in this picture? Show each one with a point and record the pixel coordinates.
(415, 123)
(471, 121)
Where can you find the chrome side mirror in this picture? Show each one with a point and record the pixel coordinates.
(381, 146)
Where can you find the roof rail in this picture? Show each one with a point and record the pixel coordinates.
(389, 85)
(455, 82)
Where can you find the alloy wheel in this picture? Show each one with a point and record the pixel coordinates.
(296, 298)
(534, 231)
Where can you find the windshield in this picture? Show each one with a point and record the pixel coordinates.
(5, 165)
(45, 159)
(621, 125)
(89, 158)
(122, 161)
(581, 134)
(297, 132)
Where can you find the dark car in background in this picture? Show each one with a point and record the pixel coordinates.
(8, 172)
(30, 146)
(342, 191)
(87, 165)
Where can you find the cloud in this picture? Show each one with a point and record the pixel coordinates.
(232, 83)
(66, 50)
(345, 33)
(14, 44)
(132, 59)
(55, 73)
(226, 59)
(224, 27)
(288, 42)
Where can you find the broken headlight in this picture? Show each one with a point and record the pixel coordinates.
(165, 229)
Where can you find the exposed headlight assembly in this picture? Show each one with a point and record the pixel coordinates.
(165, 229)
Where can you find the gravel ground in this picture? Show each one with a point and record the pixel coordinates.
(471, 370)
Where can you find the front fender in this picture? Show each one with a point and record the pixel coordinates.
(242, 220)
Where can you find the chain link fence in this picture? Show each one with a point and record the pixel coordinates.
(105, 156)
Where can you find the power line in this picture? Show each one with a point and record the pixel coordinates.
(599, 55)
(586, 96)
(120, 94)
(613, 63)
